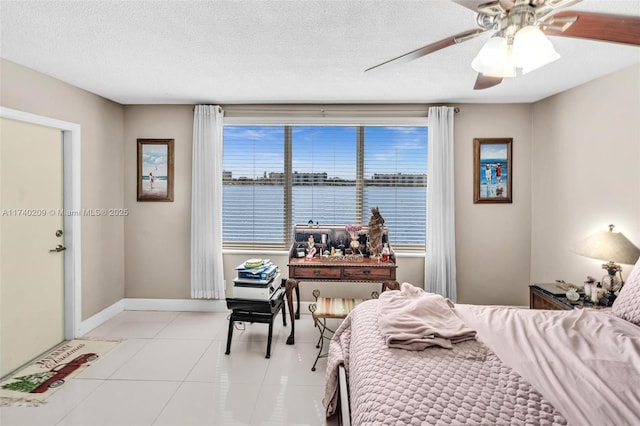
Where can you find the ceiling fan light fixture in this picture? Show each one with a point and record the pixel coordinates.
(494, 59)
(532, 49)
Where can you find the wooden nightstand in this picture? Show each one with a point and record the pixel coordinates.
(551, 296)
(548, 296)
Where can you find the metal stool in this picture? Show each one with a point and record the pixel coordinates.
(330, 307)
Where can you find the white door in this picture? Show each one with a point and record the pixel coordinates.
(31, 227)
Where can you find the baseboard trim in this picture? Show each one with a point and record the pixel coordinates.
(177, 305)
(100, 318)
(170, 305)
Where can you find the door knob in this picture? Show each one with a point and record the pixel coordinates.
(58, 249)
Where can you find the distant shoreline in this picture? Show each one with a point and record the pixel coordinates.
(326, 183)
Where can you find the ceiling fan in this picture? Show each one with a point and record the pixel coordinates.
(519, 35)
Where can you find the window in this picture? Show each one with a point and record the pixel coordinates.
(324, 174)
(395, 180)
(278, 176)
(253, 186)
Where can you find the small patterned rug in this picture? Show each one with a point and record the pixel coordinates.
(33, 384)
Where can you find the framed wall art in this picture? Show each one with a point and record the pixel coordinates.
(492, 170)
(155, 169)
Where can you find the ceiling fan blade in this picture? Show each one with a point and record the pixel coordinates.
(433, 47)
(596, 26)
(484, 82)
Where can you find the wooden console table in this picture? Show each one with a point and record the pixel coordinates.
(323, 269)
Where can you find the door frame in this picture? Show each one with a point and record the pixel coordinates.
(72, 222)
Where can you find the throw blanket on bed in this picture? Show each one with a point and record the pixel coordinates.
(467, 384)
(414, 320)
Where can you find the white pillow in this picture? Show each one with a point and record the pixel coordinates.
(627, 304)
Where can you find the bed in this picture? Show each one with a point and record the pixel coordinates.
(578, 367)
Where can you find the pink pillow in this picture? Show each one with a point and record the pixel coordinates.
(627, 304)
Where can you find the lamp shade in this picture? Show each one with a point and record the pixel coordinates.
(494, 59)
(609, 246)
(532, 49)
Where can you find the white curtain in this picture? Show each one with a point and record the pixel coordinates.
(207, 277)
(440, 260)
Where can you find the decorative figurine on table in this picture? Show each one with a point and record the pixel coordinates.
(385, 253)
(572, 295)
(353, 231)
(312, 249)
(376, 229)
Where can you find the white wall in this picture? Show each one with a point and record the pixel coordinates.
(493, 240)
(586, 173)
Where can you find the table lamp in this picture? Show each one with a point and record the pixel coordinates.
(614, 248)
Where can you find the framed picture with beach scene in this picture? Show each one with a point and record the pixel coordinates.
(492, 170)
(155, 169)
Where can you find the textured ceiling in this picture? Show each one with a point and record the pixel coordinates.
(157, 52)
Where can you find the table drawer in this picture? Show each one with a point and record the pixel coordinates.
(368, 274)
(317, 273)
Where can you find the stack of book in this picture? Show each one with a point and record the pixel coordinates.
(257, 279)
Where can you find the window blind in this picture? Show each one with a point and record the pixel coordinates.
(276, 176)
(324, 174)
(395, 180)
(253, 186)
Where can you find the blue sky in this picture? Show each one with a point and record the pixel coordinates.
(493, 151)
(154, 159)
(255, 149)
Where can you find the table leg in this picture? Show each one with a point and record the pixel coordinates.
(269, 339)
(284, 314)
(297, 288)
(289, 286)
(229, 335)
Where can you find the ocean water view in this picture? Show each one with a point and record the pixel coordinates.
(323, 165)
(254, 213)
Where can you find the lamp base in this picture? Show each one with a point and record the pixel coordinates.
(611, 283)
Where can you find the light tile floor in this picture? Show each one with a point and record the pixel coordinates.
(172, 370)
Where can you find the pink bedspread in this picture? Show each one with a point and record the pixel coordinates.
(579, 367)
(466, 384)
(585, 362)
